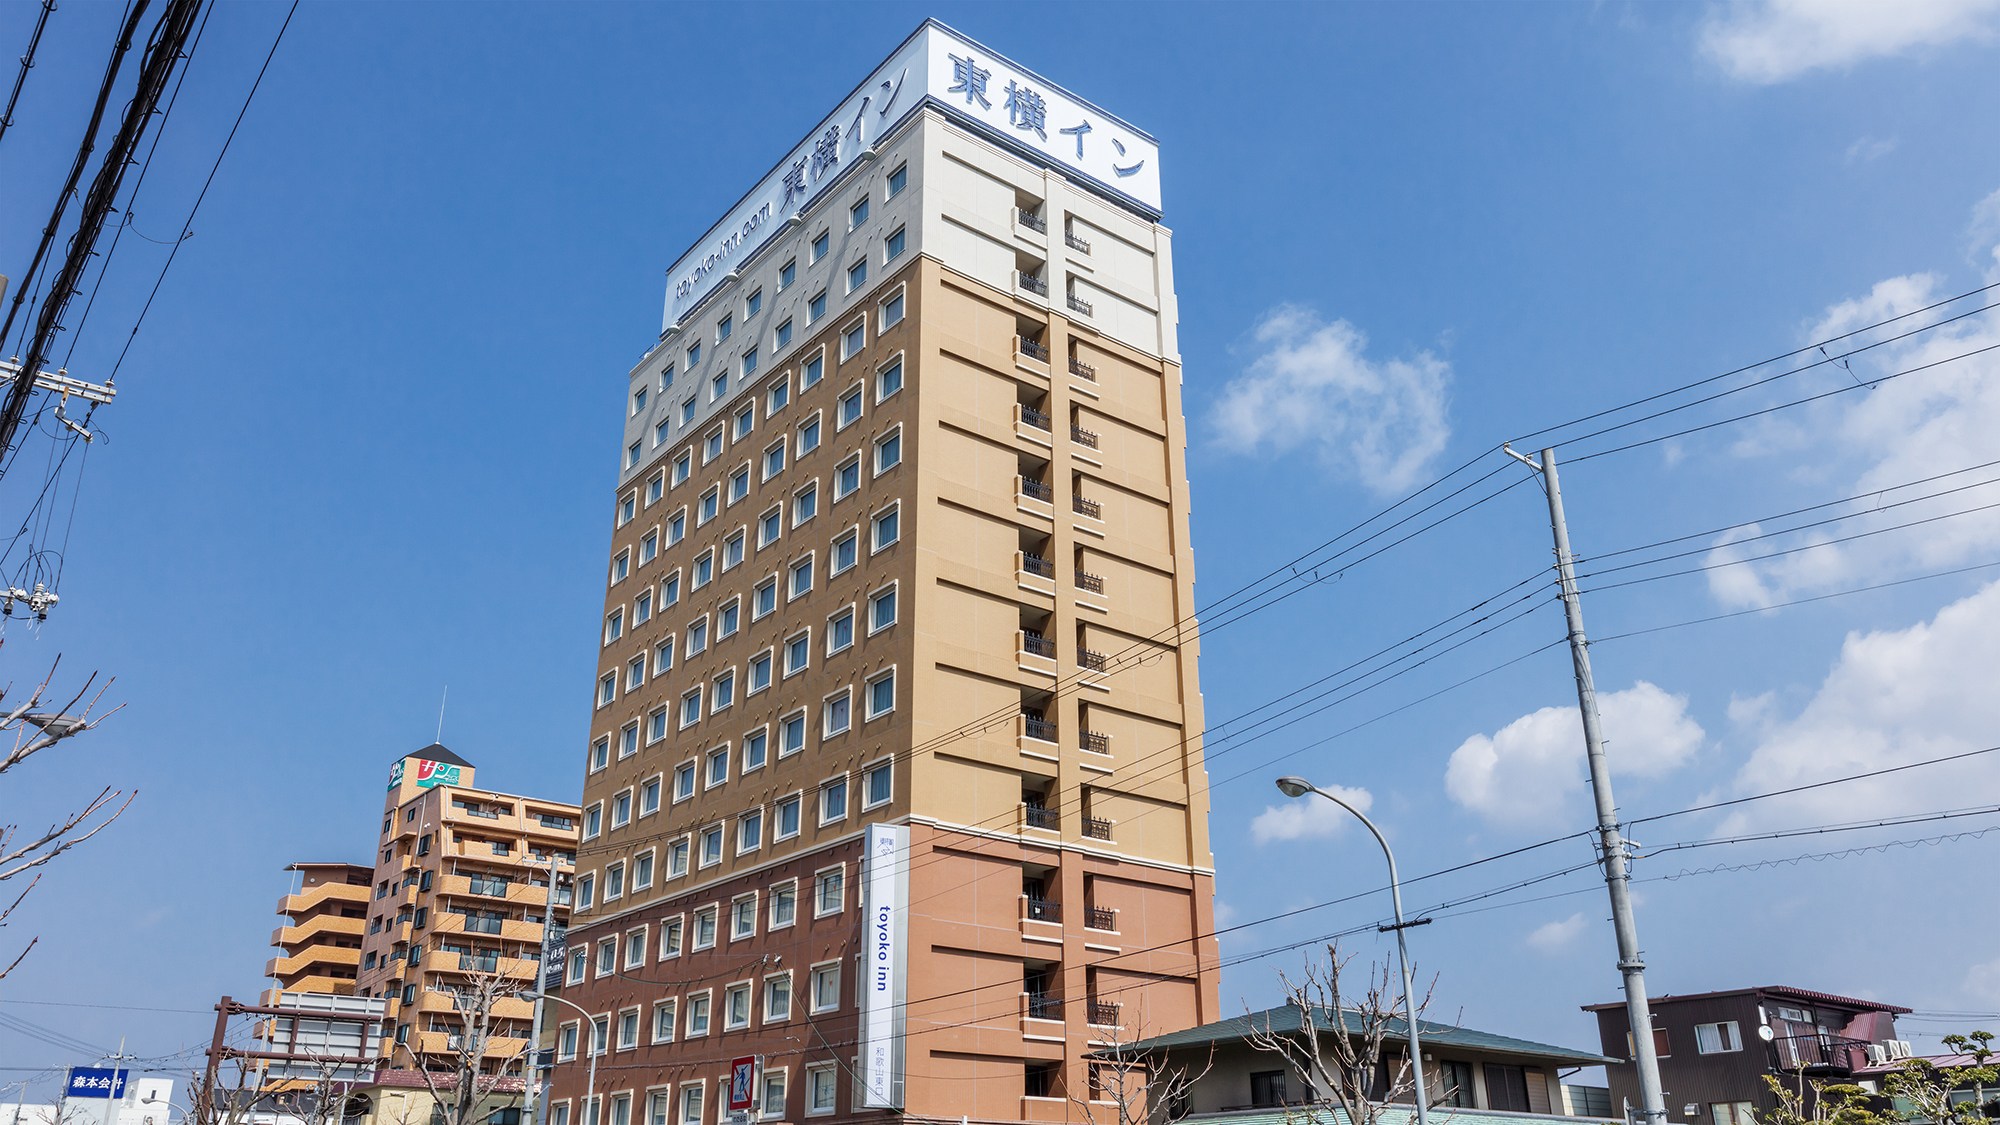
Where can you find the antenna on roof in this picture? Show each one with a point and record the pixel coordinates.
(442, 697)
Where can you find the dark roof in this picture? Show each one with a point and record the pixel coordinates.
(437, 752)
(1323, 1114)
(1286, 1018)
(1782, 992)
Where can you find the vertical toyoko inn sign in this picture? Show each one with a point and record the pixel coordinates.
(939, 67)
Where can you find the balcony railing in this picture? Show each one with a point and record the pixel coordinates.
(1038, 566)
(1078, 304)
(1083, 437)
(1037, 489)
(1034, 349)
(487, 886)
(478, 962)
(1042, 1006)
(1084, 507)
(474, 924)
(1031, 220)
(1073, 242)
(1032, 417)
(1096, 742)
(1082, 370)
(1034, 284)
(1038, 728)
(1096, 828)
(1819, 1052)
(1089, 660)
(1042, 910)
(1085, 580)
(483, 814)
(562, 822)
(1041, 816)
(1036, 644)
(1103, 1014)
(1098, 918)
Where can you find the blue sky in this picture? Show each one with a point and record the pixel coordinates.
(364, 448)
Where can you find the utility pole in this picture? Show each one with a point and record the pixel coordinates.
(553, 942)
(1611, 841)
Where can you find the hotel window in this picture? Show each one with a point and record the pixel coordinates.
(788, 274)
(723, 696)
(600, 753)
(833, 801)
(750, 831)
(711, 845)
(635, 675)
(891, 311)
(877, 784)
(704, 928)
(814, 368)
(788, 817)
(819, 246)
(882, 609)
(732, 553)
(614, 880)
(774, 460)
(847, 478)
(849, 410)
(791, 734)
(889, 380)
(898, 180)
(778, 998)
(711, 503)
(656, 487)
(805, 504)
(607, 689)
(677, 526)
(736, 1007)
(809, 435)
(593, 821)
(697, 1025)
(769, 526)
(621, 566)
(670, 938)
(760, 672)
(826, 986)
(614, 625)
(666, 377)
(892, 248)
(621, 808)
(663, 655)
(711, 445)
(659, 439)
(649, 795)
(816, 308)
(683, 465)
(746, 421)
(566, 1045)
(635, 956)
(888, 451)
(743, 917)
(704, 573)
(778, 395)
(683, 781)
(694, 353)
(750, 362)
(718, 386)
(687, 411)
(691, 1094)
(728, 618)
(723, 329)
(840, 631)
(885, 528)
(753, 304)
(632, 455)
(857, 275)
(718, 767)
(882, 694)
(782, 337)
(627, 508)
(764, 599)
(857, 214)
(649, 547)
(607, 964)
(697, 636)
(821, 1084)
(690, 708)
(802, 578)
(784, 904)
(664, 1018)
(642, 872)
(586, 891)
(579, 967)
(677, 858)
(756, 747)
(852, 338)
(846, 552)
(670, 589)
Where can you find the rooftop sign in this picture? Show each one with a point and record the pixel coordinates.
(943, 68)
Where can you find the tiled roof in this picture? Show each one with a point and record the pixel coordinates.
(1776, 990)
(1285, 1018)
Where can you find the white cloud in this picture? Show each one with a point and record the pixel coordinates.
(1892, 697)
(1985, 236)
(1554, 937)
(1982, 983)
(1310, 817)
(1380, 422)
(1528, 770)
(1770, 41)
(1867, 149)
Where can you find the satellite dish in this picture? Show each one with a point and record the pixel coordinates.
(1764, 1033)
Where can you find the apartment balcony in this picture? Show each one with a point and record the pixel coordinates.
(322, 896)
(1080, 245)
(1031, 220)
(317, 957)
(1082, 370)
(1096, 828)
(1083, 437)
(1104, 1014)
(1089, 583)
(1088, 509)
(1033, 572)
(1079, 305)
(319, 928)
(1040, 1006)
(1036, 285)
(1098, 918)
(1091, 661)
(1032, 426)
(1034, 497)
(492, 890)
(1095, 742)
(1820, 1054)
(1031, 355)
(1035, 653)
(1039, 818)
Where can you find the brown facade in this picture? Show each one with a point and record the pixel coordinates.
(1018, 670)
(319, 946)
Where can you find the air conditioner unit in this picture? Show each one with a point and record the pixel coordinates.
(1878, 1054)
(1899, 1049)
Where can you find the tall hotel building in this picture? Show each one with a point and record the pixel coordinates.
(894, 801)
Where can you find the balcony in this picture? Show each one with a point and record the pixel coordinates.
(1082, 370)
(1035, 418)
(320, 928)
(1040, 817)
(1033, 349)
(1089, 509)
(1095, 742)
(1080, 245)
(560, 823)
(1042, 1006)
(1037, 489)
(1031, 220)
(1083, 437)
(1038, 566)
(1088, 582)
(1098, 918)
(1079, 305)
(483, 814)
(1096, 828)
(1037, 644)
(314, 898)
(1034, 284)
(1037, 728)
(1820, 1053)
(1042, 910)
(1103, 1014)
(1090, 661)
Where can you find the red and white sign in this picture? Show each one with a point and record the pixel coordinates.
(743, 1083)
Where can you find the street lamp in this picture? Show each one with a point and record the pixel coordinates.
(1299, 787)
(589, 1047)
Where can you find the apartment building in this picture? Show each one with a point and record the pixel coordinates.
(319, 944)
(460, 892)
(894, 798)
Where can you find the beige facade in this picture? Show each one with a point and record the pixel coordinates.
(319, 946)
(459, 891)
(901, 537)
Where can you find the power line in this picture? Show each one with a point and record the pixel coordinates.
(27, 64)
(1797, 602)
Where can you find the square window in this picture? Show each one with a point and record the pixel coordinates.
(833, 801)
(857, 275)
(877, 784)
(889, 380)
(810, 374)
(802, 578)
(852, 339)
(892, 248)
(881, 609)
(888, 451)
(886, 528)
(792, 734)
(849, 410)
(857, 214)
(892, 312)
(898, 180)
(839, 631)
(787, 811)
(846, 552)
(788, 274)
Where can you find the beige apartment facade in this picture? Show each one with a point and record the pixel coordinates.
(319, 944)
(895, 787)
(459, 894)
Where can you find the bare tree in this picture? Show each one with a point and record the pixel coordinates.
(462, 1089)
(35, 730)
(223, 1103)
(1339, 1045)
(1127, 1085)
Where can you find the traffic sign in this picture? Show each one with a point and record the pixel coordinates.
(95, 1082)
(742, 1083)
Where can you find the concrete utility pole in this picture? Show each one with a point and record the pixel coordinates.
(534, 1074)
(1611, 842)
